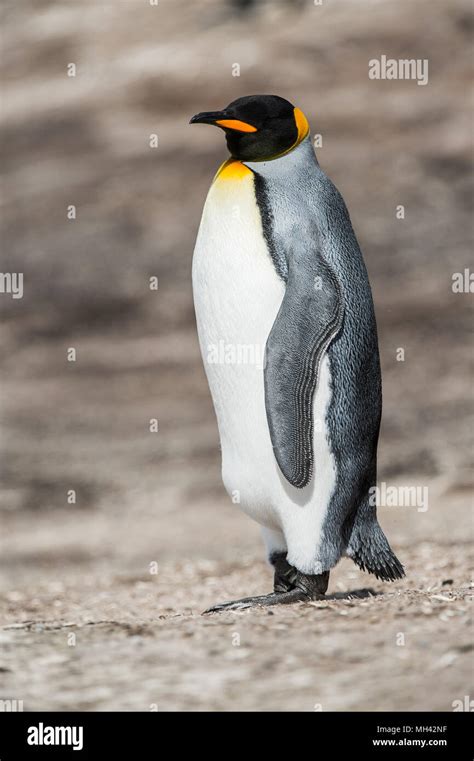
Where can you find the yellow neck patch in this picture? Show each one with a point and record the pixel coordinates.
(232, 170)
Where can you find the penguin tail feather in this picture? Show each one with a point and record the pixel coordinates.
(370, 550)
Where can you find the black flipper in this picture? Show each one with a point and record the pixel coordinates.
(310, 317)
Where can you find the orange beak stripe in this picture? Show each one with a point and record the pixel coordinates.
(236, 124)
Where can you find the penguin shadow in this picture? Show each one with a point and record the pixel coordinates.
(355, 594)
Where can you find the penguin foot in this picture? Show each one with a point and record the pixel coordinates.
(263, 601)
(289, 586)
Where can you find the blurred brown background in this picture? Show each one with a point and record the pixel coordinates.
(84, 425)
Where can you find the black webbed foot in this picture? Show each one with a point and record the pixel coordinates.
(263, 601)
(289, 586)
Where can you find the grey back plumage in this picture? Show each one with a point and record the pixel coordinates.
(303, 211)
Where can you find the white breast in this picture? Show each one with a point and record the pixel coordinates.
(237, 295)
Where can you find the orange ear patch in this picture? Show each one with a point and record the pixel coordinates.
(236, 124)
(301, 124)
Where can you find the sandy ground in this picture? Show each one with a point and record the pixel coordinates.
(85, 624)
(138, 642)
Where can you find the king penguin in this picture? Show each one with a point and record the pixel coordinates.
(288, 336)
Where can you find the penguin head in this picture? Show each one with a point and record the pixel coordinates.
(258, 127)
